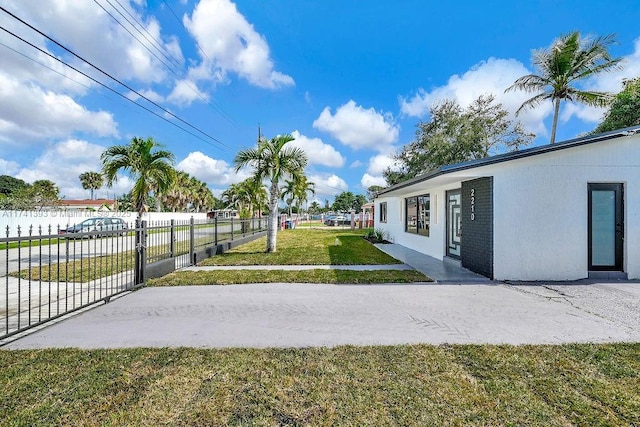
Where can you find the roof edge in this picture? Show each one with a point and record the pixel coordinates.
(513, 155)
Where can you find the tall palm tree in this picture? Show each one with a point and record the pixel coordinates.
(272, 160)
(569, 59)
(91, 181)
(144, 161)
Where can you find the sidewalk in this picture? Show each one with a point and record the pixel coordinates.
(310, 315)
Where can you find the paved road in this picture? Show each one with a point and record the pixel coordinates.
(300, 315)
(15, 259)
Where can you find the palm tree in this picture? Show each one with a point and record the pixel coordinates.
(303, 188)
(91, 181)
(247, 196)
(272, 160)
(288, 193)
(177, 195)
(315, 207)
(569, 59)
(144, 161)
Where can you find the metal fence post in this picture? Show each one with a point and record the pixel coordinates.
(136, 262)
(192, 242)
(140, 263)
(215, 230)
(172, 236)
(231, 228)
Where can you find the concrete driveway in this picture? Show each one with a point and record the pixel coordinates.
(301, 315)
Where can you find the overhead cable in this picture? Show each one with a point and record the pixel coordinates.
(103, 72)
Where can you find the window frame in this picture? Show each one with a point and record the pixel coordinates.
(383, 212)
(417, 218)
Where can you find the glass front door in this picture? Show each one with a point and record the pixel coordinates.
(454, 222)
(606, 227)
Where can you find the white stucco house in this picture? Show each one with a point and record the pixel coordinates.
(565, 211)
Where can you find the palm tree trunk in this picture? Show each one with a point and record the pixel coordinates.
(272, 226)
(555, 120)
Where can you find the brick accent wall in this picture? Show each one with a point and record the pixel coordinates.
(477, 226)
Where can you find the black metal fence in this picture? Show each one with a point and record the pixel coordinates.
(46, 274)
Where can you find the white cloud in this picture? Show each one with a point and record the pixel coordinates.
(380, 162)
(29, 113)
(148, 93)
(369, 180)
(211, 171)
(317, 151)
(328, 185)
(77, 156)
(358, 127)
(8, 167)
(495, 75)
(186, 92)
(231, 44)
(356, 164)
(59, 19)
(377, 165)
(492, 76)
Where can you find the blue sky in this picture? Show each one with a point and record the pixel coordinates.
(349, 79)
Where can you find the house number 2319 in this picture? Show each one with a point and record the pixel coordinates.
(473, 204)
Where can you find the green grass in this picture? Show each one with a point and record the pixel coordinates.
(307, 247)
(26, 243)
(420, 385)
(229, 277)
(96, 267)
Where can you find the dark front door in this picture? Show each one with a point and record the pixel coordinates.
(454, 223)
(606, 227)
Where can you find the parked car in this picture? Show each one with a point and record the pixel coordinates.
(336, 220)
(95, 227)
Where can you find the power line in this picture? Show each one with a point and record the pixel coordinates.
(139, 32)
(44, 65)
(106, 87)
(106, 74)
(185, 30)
(218, 108)
(204, 55)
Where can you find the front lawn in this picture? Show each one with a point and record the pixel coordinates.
(307, 246)
(418, 385)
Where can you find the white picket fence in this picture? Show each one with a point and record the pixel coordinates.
(40, 221)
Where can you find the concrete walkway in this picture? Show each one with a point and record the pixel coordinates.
(444, 271)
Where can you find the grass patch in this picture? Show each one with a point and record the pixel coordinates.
(34, 242)
(95, 267)
(582, 384)
(229, 277)
(307, 247)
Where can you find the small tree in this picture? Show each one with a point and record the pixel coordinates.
(91, 181)
(274, 161)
